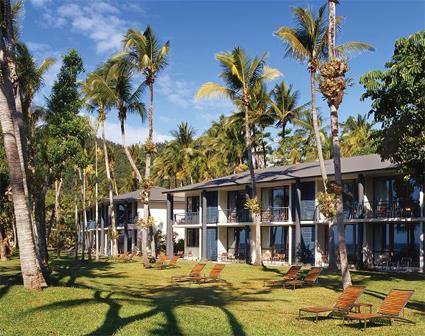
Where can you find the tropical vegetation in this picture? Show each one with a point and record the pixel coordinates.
(55, 161)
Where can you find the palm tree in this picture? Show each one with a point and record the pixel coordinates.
(30, 267)
(308, 42)
(332, 86)
(356, 138)
(100, 95)
(241, 76)
(284, 106)
(149, 58)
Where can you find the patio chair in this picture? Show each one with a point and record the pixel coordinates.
(172, 262)
(214, 275)
(345, 302)
(195, 272)
(159, 263)
(310, 279)
(290, 275)
(392, 308)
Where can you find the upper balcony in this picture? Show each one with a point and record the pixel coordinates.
(384, 210)
(275, 214)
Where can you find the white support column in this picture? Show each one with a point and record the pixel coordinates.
(290, 245)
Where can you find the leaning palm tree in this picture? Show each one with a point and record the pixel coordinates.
(241, 76)
(144, 52)
(99, 94)
(308, 42)
(30, 267)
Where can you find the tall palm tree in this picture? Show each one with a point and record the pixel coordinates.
(149, 58)
(333, 73)
(30, 267)
(241, 76)
(308, 42)
(100, 96)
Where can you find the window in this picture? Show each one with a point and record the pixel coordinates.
(192, 238)
(277, 197)
(193, 204)
(308, 204)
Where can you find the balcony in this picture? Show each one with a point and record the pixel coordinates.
(238, 215)
(275, 214)
(368, 210)
(189, 217)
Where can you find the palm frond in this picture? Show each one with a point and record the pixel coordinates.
(213, 90)
(352, 47)
(294, 46)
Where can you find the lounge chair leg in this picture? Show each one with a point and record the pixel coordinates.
(365, 324)
(317, 317)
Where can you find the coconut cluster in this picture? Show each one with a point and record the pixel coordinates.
(332, 81)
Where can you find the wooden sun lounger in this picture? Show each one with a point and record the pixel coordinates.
(195, 272)
(345, 302)
(391, 308)
(310, 279)
(172, 262)
(158, 264)
(290, 275)
(214, 275)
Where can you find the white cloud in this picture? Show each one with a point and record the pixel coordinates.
(133, 134)
(39, 3)
(98, 20)
(178, 92)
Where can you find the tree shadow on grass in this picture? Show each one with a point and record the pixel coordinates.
(153, 300)
(10, 275)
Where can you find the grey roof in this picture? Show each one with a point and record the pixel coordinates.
(157, 194)
(355, 164)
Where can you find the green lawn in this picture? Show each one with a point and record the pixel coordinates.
(125, 299)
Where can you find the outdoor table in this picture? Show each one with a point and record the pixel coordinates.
(357, 306)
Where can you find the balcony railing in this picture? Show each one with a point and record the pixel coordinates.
(238, 215)
(212, 216)
(308, 210)
(275, 214)
(396, 209)
(189, 217)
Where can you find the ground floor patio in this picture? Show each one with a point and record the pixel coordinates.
(388, 246)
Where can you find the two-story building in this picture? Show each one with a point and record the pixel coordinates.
(383, 215)
(128, 208)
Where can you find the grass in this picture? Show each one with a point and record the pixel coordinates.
(104, 298)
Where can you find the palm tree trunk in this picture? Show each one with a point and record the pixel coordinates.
(58, 186)
(111, 210)
(96, 215)
(346, 277)
(77, 225)
(255, 216)
(331, 245)
(316, 129)
(40, 223)
(84, 231)
(128, 154)
(147, 178)
(30, 268)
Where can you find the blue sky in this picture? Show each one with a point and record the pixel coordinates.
(199, 29)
